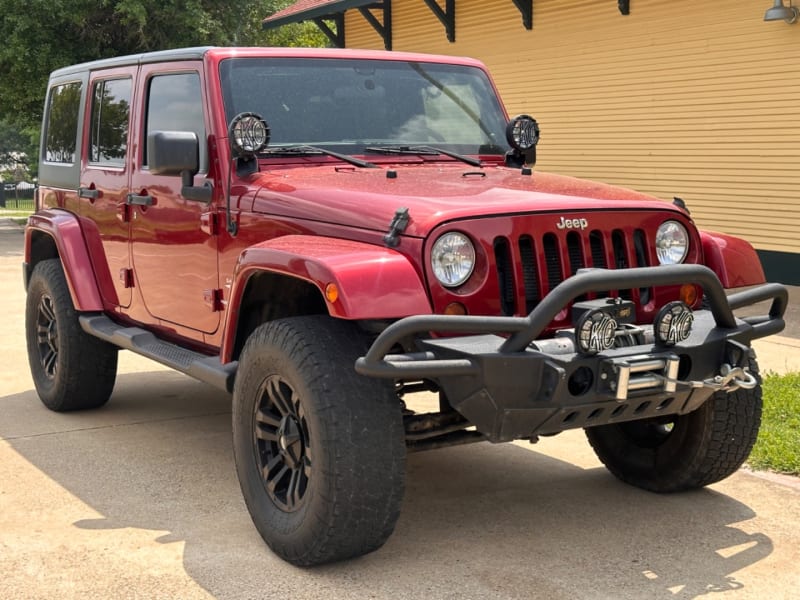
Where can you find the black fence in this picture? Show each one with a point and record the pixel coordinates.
(17, 196)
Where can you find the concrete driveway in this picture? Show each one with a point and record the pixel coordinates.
(140, 500)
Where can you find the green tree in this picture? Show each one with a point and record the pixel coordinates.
(42, 35)
(17, 147)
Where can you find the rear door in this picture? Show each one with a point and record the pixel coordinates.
(173, 251)
(104, 181)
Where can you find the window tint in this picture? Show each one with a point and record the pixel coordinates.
(62, 123)
(175, 104)
(110, 112)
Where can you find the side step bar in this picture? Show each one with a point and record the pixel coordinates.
(205, 368)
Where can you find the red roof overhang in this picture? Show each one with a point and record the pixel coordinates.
(308, 10)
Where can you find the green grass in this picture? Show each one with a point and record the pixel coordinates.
(778, 445)
(19, 216)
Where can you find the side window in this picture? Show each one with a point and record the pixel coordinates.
(174, 103)
(109, 130)
(62, 123)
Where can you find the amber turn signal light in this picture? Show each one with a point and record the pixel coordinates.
(332, 292)
(455, 308)
(689, 294)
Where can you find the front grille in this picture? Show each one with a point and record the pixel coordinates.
(546, 262)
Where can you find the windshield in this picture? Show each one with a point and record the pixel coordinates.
(352, 104)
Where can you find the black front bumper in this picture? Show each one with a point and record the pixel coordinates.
(509, 389)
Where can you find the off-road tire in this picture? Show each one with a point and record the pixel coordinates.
(319, 449)
(71, 370)
(702, 447)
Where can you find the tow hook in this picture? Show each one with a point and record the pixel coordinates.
(729, 379)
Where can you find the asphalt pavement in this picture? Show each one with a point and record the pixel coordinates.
(140, 500)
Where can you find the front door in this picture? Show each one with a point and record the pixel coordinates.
(174, 256)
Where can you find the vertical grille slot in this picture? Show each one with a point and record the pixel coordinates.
(552, 259)
(598, 250)
(505, 275)
(640, 248)
(529, 273)
(575, 253)
(620, 257)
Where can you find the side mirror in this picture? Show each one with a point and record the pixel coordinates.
(178, 153)
(173, 152)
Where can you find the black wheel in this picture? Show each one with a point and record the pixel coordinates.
(319, 449)
(683, 452)
(71, 369)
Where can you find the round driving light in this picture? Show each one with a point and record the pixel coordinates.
(522, 132)
(673, 323)
(452, 259)
(595, 332)
(672, 243)
(249, 134)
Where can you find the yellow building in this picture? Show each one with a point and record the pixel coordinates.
(699, 100)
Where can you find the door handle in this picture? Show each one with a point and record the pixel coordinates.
(89, 192)
(137, 200)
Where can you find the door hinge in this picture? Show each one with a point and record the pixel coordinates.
(126, 277)
(213, 298)
(124, 212)
(209, 223)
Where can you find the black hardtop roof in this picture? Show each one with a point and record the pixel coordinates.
(196, 53)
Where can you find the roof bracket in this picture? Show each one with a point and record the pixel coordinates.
(446, 16)
(384, 29)
(526, 8)
(336, 37)
(624, 6)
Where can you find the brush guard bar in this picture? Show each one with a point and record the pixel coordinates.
(496, 376)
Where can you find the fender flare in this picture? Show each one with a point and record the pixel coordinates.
(733, 259)
(64, 229)
(373, 282)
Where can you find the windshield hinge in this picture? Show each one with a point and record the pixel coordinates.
(396, 227)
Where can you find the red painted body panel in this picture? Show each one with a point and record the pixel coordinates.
(374, 282)
(733, 259)
(433, 193)
(65, 230)
(103, 218)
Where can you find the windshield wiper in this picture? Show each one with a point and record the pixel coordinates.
(423, 150)
(309, 150)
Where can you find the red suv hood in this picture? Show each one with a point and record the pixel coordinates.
(433, 193)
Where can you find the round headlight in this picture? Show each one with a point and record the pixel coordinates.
(452, 259)
(672, 243)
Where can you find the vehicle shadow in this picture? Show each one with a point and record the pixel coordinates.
(477, 521)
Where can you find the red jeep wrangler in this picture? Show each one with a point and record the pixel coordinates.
(321, 233)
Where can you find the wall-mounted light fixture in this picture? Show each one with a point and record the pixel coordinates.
(780, 12)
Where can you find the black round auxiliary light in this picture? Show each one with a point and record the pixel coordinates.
(673, 323)
(248, 133)
(522, 132)
(595, 331)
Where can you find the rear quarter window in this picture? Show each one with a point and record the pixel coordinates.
(62, 123)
